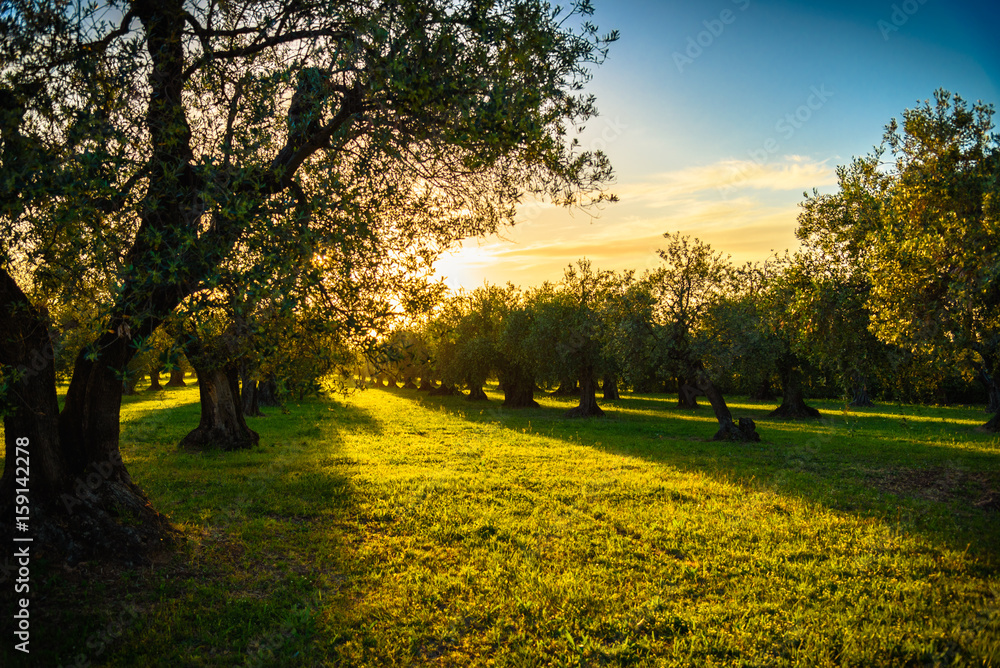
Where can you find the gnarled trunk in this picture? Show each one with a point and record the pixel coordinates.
(518, 388)
(992, 390)
(154, 379)
(859, 395)
(610, 387)
(83, 502)
(222, 425)
(686, 394)
(176, 377)
(588, 396)
(249, 396)
(743, 431)
(567, 387)
(267, 392)
(763, 391)
(994, 424)
(476, 393)
(793, 403)
(129, 383)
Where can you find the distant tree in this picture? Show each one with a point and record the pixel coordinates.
(570, 330)
(691, 278)
(830, 310)
(778, 318)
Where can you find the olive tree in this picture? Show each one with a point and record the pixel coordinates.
(921, 217)
(144, 144)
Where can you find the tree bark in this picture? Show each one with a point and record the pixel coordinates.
(426, 385)
(222, 426)
(859, 396)
(610, 387)
(445, 390)
(993, 425)
(686, 394)
(476, 393)
(79, 487)
(518, 388)
(154, 379)
(992, 390)
(567, 387)
(763, 392)
(249, 396)
(743, 431)
(793, 404)
(129, 383)
(267, 392)
(588, 396)
(176, 376)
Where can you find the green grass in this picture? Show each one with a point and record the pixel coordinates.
(392, 528)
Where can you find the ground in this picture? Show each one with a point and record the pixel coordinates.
(393, 528)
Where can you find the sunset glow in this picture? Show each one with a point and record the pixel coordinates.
(720, 140)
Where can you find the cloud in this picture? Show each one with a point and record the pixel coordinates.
(726, 177)
(741, 208)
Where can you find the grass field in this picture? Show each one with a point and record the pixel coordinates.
(392, 528)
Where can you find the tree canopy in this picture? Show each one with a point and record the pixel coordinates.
(147, 146)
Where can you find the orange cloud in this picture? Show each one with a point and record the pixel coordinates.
(741, 208)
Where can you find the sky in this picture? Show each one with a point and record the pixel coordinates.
(719, 115)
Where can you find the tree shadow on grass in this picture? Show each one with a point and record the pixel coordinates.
(924, 466)
(261, 562)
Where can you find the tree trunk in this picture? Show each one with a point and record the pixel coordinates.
(992, 426)
(267, 392)
(154, 379)
(176, 376)
(743, 431)
(861, 399)
(476, 393)
(992, 390)
(763, 392)
(426, 385)
(249, 395)
(588, 396)
(222, 426)
(446, 390)
(83, 503)
(686, 394)
(518, 388)
(793, 404)
(567, 387)
(610, 387)
(859, 396)
(129, 383)
(408, 383)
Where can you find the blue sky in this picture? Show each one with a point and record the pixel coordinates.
(717, 116)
